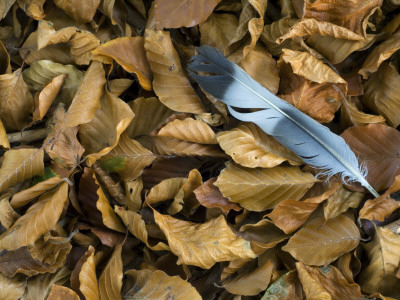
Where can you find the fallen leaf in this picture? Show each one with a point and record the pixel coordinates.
(59, 292)
(287, 287)
(5, 7)
(147, 284)
(170, 84)
(33, 8)
(130, 54)
(118, 86)
(260, 189)
(351, 115)
(81, 46)
(195, 244)
(7, 213)
(322, 241)
(81, 12)
(110, 281)
(3, 137)
(186, 13)
(11, 288)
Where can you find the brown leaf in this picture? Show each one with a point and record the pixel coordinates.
(195, 244)
(5, 7)
(7, 214)
(326, 283)
(39, 219)
(210, 196)
(350, 115)
(185, 13)
(110, 281)
(19, 165)
(59, 292)
(81, 46)
(170, 84)
(376, 146)
(11, 288)
(120, 85)
(16, 102)
(130, 54)
(381, 94)
(383, 254)
(260, 189)
(251, 147)
(81, 12)
(287, 287)
(3, 137)
(322, 241)
(147, 284)
(33, 8)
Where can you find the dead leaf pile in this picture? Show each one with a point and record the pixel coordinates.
(121, 179)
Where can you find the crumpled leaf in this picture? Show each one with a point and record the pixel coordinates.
(59, 292)
(16, 102)
(148, 284)
(376, 146)
(102, 133)
(5, 7)
(110, 281)
(33, 8)
(256, 189)
(381, 93)
(19, 165)
(128, 158)
(182, 13)
(170, 84)
(287, 287)
(81, 12)
(350, 115)
(11, 288)
(7, 213)
(39, 219)
(322, 241)
(380, 274)
(130, 54)
(137, 227)
(251, 147)
(198, 245)
(3, 137)
(326, 283)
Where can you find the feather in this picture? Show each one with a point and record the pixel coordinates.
(314, 143)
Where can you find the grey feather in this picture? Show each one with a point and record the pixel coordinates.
(314, 143)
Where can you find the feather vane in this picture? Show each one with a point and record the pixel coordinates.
(314, 143)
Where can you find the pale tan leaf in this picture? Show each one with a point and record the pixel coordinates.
(384, 257)
(189, 130)
(19, 165)
(81, 12)
(260, 189)
(137, 227)
(211, 119)
(170, 84)
(59, 292)
(81, 46)
(203, 245)
(322, 241)
(165, 190)
(7, 213)
(350, 115)
(182, 13)
(147, 284)
(133, 190)
(3, 137)
(33, 8)
(102, 133)
(5, 7)
(218, 30)
(47, 35)
(287, 287)
(130, 54)
(25, 196)
(39, 219)
(381, 93)
(16, 102)
(326, 283)
(87, 98)
(11, 288)
(120, 85)
(110, 281)
(128, 158)
(251, 147)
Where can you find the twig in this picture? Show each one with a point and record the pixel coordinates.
(27, 136)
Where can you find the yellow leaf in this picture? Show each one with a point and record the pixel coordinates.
(87, 98)
(137, 227)
(384, 258)
(81, 46)
(33, 8)
(80, 11)
(322, 241)
(170, 84)
(19, 165)
(39, 219)
(261, 189)
(198, 245)
(147, 284)
(110, 281)
(16, 102)
(182, 13)
(3, 137)
(165, 190)
(251, 147)
(11, 288)
(118, 86)
(130, 54)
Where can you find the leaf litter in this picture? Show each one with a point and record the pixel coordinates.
(121, 178)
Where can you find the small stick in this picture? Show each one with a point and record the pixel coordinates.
(27, 136)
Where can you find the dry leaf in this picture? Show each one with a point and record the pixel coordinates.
(33, 8)
(170, 84)
(11, 288)
(287, 287)
(19, 165)
(350, 115)
(195, 244)
(118, 86)
(39, 219)
(110, 281)
(376, 146)
(7, 214)
(130, 54)
(184, 13)
(251, 147)
(322, 241)
(81, 46)
(147, 284)
(81, 12)
(59, 292)
(260, 189)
